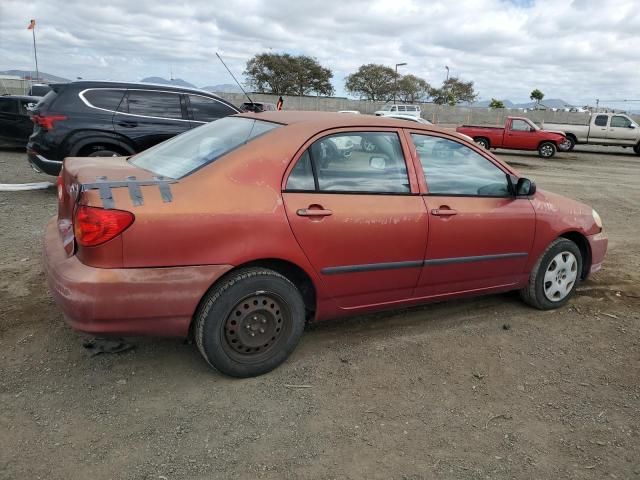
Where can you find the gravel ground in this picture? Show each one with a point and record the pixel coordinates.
(475, 389)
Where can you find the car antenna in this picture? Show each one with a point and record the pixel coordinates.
(232, 76)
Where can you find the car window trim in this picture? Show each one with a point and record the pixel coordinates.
(126, 90)
(404, 145)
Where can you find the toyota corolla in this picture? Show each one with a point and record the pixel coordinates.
(239, 232)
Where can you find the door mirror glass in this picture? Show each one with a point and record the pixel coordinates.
(525, 187)
(378, 163)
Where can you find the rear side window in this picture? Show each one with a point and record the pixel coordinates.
(107, 99)
(150, 103)
(8, 105)
(601, 120)
(206, 109)
(186, 153)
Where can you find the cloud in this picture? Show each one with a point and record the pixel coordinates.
(578, 50)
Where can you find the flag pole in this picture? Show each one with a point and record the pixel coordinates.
(35, 51)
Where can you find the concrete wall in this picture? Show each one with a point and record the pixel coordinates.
(14, 86)
(438, 114)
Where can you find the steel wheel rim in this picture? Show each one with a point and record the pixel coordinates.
(566, 145)
(546, 150)
(560, 276)
(256, 326)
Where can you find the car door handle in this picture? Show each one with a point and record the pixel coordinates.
(128, 124)
(444, 212)
(314, 212)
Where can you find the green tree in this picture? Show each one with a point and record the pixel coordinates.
(536, 95)
(284, 74)
(454, 91)
(496, 103)
(412, 89)
(373, 82)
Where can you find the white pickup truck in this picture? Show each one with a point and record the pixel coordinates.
(612, 129)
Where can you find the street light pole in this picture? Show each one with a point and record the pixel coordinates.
(395, 81)
(447, 71)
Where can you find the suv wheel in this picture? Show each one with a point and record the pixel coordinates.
(101, 151)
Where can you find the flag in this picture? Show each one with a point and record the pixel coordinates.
(32, 25)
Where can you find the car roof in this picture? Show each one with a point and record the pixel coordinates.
(113, 84)
(325, 120)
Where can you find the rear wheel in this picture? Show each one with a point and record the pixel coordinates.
(249, 323)
(483, 142)
(637, 149)
(547, 150)
(101, 151)
(554, 277)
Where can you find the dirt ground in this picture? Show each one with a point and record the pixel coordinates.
(475, 389)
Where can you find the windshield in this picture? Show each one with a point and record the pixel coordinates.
(196, 148)
(386, 108)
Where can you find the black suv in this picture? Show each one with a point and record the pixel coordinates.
(104, 119)
(15, 124)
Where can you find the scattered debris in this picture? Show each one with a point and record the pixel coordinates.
(610, 315)
(98, 345)
(297, 386)
(479, 376)
(506, 326)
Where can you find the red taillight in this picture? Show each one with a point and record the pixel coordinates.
(93, 226)
(47, 121)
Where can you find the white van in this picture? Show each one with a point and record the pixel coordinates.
(413, 110)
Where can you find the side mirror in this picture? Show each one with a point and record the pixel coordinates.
(632, 126)
(525, 187)
(378, 163)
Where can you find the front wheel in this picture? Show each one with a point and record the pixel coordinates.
(249, 323)
(554, 277)
(568, 144)
(547, 150)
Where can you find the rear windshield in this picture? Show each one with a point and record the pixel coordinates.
(201, 146)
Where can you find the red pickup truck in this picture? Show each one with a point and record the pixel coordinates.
(519, 133)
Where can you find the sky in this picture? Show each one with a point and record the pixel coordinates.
(577, 50)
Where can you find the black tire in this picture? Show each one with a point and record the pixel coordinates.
(534, 293)
(572, 143)
(250, 322)
(483, 142)
(101, 151)
(547, 149)
(637, 149)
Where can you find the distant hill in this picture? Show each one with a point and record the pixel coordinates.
(47, 77)
(549, 103)
(178, 82)
(223, 88)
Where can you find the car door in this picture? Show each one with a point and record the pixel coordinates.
(519, 134)
(622, 131)
(9, 120)
(206, 109)
(148, 117)
(599, 128)
(480, 235)
(24, 123)
(357, 215)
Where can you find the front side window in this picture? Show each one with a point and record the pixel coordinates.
(622, 122)
(201, 146)
(206, 109)
(353, 162)
(451, 168)
(520, 126)
(601, 120)
(150, 103)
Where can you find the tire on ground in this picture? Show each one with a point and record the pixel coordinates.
(235, 303)
(483, 142)
(547, 149)
(534, 293)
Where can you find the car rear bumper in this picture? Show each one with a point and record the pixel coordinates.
(43, 164)
(125, 301)
(598, 244)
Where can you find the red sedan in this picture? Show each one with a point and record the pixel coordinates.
(240, 231)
